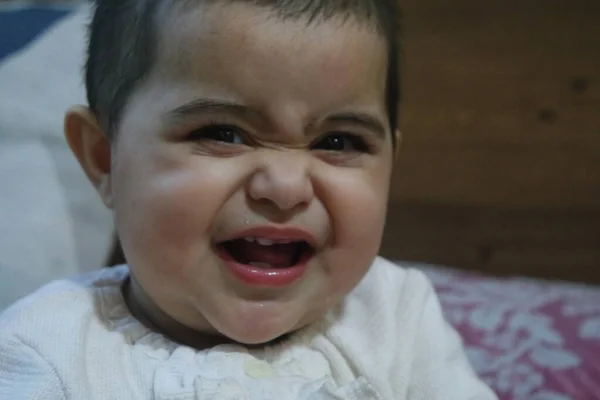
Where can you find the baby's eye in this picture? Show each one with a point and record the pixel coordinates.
(341, 142)
(220, 133)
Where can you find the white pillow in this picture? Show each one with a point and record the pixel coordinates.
(52, 223)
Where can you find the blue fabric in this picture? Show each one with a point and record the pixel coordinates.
(18, 27)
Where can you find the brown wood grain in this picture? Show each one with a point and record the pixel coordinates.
(499, 175)
(502, 103)
(547, 243)
(500, 166)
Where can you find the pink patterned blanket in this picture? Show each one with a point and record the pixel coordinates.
(529, 339)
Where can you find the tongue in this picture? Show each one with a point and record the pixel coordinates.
(276, 255)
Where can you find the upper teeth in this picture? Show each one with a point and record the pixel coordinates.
(265, 241)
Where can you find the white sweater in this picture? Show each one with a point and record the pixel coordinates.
(76, 339)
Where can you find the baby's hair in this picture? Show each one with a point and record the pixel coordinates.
(123, 40)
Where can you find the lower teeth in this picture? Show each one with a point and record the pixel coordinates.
(261, 265)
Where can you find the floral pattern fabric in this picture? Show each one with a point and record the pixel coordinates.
(528, 339)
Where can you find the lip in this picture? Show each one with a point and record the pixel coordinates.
(269, 277)
(277, 234)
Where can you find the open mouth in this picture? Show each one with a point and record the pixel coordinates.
(266, 253)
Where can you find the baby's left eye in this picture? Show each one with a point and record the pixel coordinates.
(341, 142)
(220, 133)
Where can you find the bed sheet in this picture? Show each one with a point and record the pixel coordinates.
(21, 22)
(528, 339)
(52, 223)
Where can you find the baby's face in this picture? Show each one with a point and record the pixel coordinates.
(253, 130)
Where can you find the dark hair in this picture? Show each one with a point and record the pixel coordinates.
(123, 37)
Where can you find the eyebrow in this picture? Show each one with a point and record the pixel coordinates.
(204, 106)
(367, 121)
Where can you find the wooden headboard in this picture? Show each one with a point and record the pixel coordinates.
(500, 167)
(500, 170)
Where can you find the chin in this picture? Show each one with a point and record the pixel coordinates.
(258, 324)
(257, 338)
(255, 335)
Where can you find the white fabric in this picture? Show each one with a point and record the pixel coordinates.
(76, 339)
(34, 226)
(51, 220)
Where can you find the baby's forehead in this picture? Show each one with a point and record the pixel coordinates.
(190, 30)
(290, 73)
(238, 40)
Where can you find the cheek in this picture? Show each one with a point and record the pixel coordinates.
(357, 206)
(165, 215)
(357, 203)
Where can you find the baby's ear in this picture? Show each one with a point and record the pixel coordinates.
(92, 148)
(398, 141)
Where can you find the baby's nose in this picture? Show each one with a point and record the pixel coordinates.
(282, 179)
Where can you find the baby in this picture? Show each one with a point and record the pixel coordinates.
(246, 149)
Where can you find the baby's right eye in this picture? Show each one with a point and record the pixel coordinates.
(220, 133)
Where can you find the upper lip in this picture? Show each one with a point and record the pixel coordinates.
(276, 234)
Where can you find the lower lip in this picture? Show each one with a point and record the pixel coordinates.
(269, 277)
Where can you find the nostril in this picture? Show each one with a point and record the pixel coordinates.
(286, 186)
